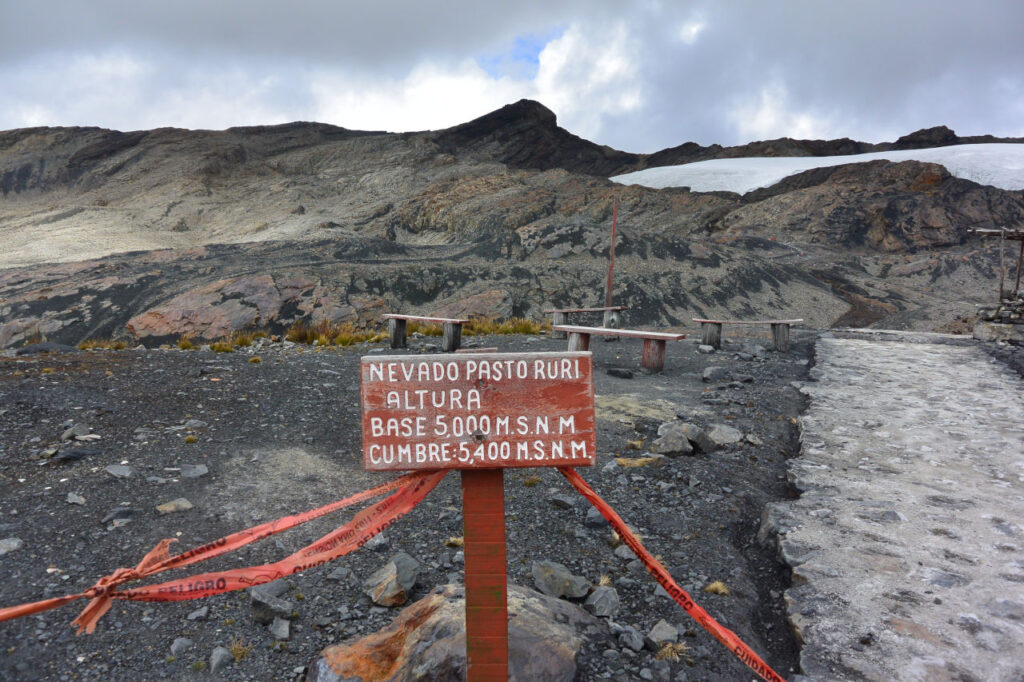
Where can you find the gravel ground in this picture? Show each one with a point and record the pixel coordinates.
(282, 435)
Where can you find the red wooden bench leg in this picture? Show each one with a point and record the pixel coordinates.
(397, 333)
(653, 358)
(579, 341)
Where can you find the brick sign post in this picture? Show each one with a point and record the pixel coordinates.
(481, 413)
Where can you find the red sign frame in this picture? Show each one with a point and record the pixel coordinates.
(477, 411)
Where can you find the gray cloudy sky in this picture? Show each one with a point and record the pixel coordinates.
(638, 76)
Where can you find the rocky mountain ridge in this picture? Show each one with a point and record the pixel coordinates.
(167, 232)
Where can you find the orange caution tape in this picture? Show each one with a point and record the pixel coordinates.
(719, 632)
(412, 488)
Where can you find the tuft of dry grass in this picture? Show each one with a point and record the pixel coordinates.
(604, 580)
(671, 651)
(531, 480)
(222, 347)
(108, 344)
(455, 541)
(634, 462)
(255, 359)
(326, 333)
(185, 342)
(240, 650)
(480, 326)
(717, 587)
(190, 438)
(412, 327)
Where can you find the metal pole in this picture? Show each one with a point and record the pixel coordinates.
(611, 255)
(1020, 261)
(1002, 264)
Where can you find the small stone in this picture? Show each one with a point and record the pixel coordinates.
(562, 501)
(10, 545)
(603, 602)
(696, 435)
(620, 372)
(624, 552)
(266, 607)
(75, 454)
(672, 441)
(754, 440)
(555, 580)
(199, 614)
(118, 470)
(280, 629)
(193, 470)
(661, 632)
(195, 424)
(702, 348)
(378, 543)
(342, 574)
(119, 513)
(75, 432)
(594, 519)
(722, 434)
(275, 588)
(178, 505)
(75, 499)
(715, 374)
(631, 638)
(391, 584)
(181, 645)
(219, 659)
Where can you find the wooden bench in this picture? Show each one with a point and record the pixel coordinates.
(560, 316)
(451, 339)
(651, 360)
(711, 331)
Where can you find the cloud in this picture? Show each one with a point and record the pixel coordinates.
(638, 76)
(769, 114)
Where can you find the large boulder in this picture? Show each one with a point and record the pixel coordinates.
(427, 641)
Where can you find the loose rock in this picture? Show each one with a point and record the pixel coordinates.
(555, 580)
(391, 584)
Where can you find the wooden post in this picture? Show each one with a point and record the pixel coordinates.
(557, 318)
(578, 341)
(452, 337)
(780, 336)
(653, 358)
(483, 524)
(397, 328)
(711, 334)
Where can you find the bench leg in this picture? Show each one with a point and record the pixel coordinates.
(653, 358)
(397, 328)
(578, 341)
(452, 337)
(611, 321)
(780, 337)
(711, 334)
(557, 319)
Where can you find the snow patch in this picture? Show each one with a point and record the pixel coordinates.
(1000, 165)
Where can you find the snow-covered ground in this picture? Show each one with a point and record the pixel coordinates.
(1000, 165)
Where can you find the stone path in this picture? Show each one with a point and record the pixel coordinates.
(907, 543)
